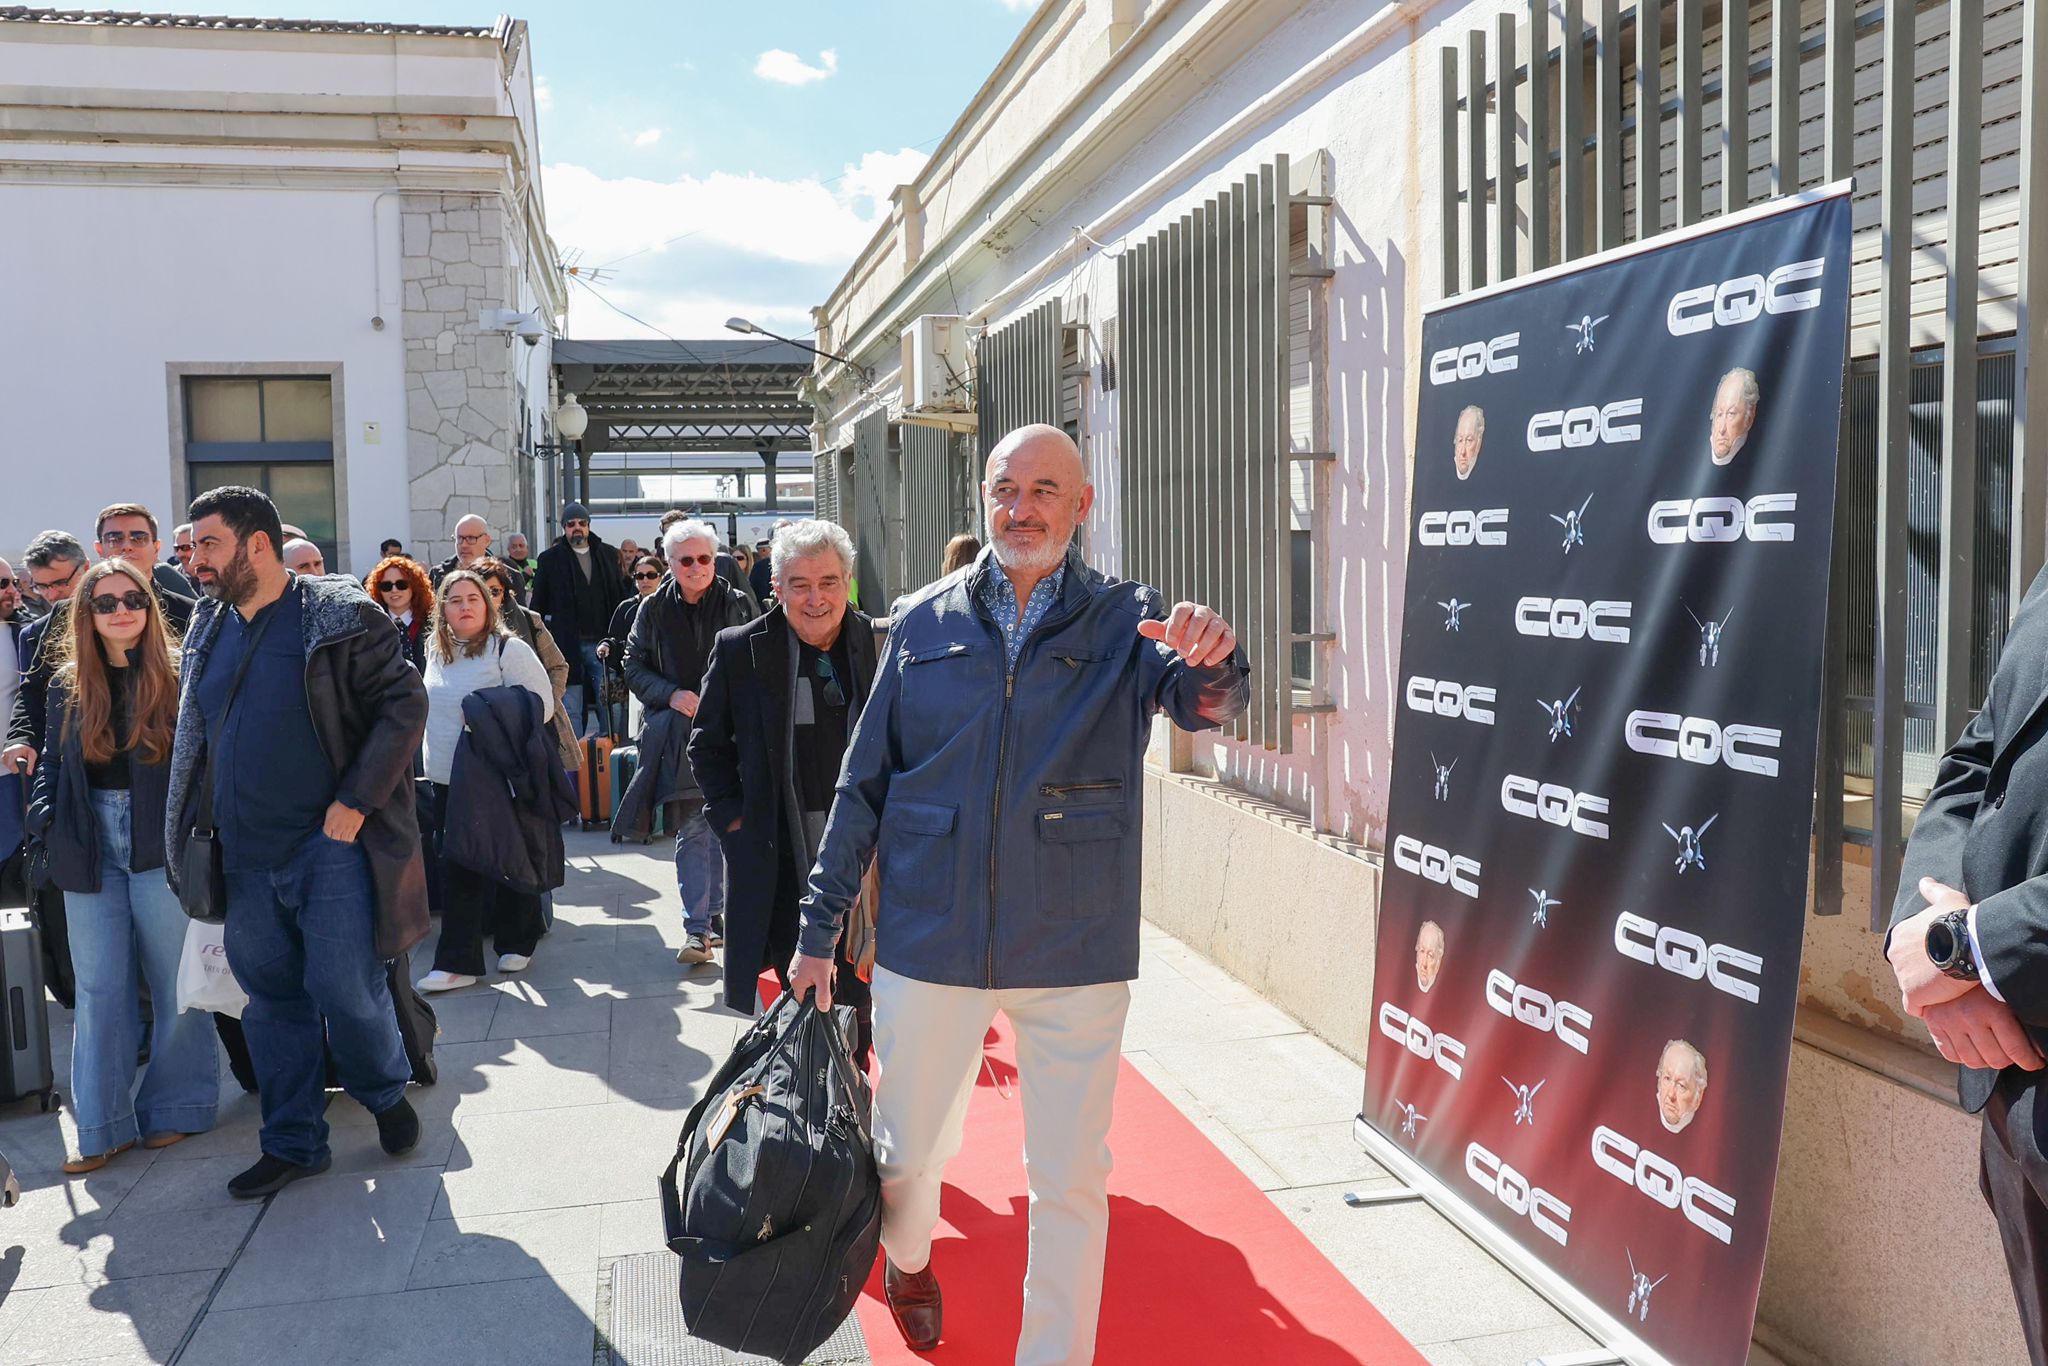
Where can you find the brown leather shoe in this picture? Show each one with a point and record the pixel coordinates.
(79, 1166)
(915, 1302)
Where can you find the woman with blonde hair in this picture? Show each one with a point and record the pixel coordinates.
(469, 647)
(98, 803)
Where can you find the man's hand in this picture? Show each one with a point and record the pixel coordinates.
(812, 976)
(684, 701)
(1978, 1031)
(20, 758)
(735, 824)
(1194, 632)
(1921, 984)
(604, 649)
(342, 823)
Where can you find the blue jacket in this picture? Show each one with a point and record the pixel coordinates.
(1007, 806)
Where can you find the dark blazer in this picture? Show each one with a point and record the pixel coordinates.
(60, 809)
(369, 708)
(740, 751)
(507, 795)
(29, 722)
(670, 643)
(554, 595)
(1984, 830)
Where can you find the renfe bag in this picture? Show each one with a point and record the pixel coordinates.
(773, 1200)
(204, 981)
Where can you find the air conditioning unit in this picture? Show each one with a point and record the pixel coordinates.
(935, 365)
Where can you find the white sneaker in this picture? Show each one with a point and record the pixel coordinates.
(438, 980)
(513, 962)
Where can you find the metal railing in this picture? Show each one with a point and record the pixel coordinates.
(1555, 157)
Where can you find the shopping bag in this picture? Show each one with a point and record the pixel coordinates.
(204, 981)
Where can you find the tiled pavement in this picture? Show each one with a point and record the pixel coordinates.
(560, 1096)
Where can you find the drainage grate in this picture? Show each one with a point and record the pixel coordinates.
(645, 1323)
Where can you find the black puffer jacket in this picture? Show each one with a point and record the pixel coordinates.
(507, 797)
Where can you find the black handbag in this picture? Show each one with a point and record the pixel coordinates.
(202, 881)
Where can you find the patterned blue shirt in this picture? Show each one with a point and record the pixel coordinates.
(999, 596)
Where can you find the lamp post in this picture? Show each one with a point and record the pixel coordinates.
(571, 421)
(741, 325)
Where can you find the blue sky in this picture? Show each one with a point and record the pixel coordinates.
(769, 132)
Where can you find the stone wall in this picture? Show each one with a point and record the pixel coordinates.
(460, 396)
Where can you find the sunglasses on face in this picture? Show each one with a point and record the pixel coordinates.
(126, 538)
(835, 696)
(6, 584)
(695, 559)
(393, 586)
(645, 576)
(106, 604)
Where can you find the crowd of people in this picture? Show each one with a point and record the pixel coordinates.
(822, 770)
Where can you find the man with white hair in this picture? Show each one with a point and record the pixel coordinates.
(472, 543)
(998, 769)
(303, 557)
(1735, 400)
(780, 699)
(1681, 1084)
(666, 655)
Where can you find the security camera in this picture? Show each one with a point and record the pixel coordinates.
(530, 338)
(526, 326)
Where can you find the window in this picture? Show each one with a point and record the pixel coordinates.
(276, 435)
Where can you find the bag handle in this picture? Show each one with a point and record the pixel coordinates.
(204, 828)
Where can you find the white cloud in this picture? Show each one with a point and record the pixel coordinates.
(786, 68)
(795, 232)
(543, 94)
(647, 137)
(1018, 6)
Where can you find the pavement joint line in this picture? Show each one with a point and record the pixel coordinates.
(206, 1305)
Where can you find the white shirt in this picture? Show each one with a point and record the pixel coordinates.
(448, 683)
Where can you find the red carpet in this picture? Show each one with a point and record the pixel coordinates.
(1203, 1268)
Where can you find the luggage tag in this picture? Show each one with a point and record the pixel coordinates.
(729, 1112)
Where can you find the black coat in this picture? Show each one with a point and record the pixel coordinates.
(29, 722)
(740, 752)
(670, 644)
(60, 809)
(554, 595)
(1984, 831)
(507, 794)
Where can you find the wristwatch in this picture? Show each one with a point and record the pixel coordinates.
(1948, 946)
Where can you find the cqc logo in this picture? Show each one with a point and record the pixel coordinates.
(1554, 805)
(1574, 619)
(1676, 521)
(1446, 869)
(1705, 1206)
(1488, 526)
(1688, 955)
(1698, 740)
(1542, 1013)
(1574, 428)
(1551, 1215)
(1441, 697)
(1745, 299)
(1474, 359)
(1424, 1042)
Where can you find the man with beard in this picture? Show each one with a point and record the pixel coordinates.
(667, 652)
(997, 767)
(285, 674)
(576, 584)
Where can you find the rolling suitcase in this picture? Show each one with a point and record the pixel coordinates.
(625, 764)
(24, 1014)
(594, 782)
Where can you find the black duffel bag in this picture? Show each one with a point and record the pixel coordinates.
(773, 1200)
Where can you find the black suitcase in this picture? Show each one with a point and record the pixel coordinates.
(24, 1014)
(417, 1025)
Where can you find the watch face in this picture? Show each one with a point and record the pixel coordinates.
(1941, 943)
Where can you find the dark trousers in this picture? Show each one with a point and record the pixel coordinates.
(847, 987)
(2013, 1174)
(473, 905)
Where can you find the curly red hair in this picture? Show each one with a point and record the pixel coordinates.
(410, 570)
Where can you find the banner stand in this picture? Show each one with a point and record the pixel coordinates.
(1621, 1344)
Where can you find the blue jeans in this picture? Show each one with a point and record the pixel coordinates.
(588, 696)
(133, 916)
(301, 940)
(700, 870)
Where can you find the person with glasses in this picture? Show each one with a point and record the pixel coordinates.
(781, 695)
(666, 654)
(98, 806)
(400, 587)
(645, 573)
(127, 531)
(520, 558)
(501, 580)
(181, 551)
(577, 586)
(472, 543)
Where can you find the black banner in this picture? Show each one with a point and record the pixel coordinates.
(1599, 824)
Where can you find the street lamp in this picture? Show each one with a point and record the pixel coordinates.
(741, 325)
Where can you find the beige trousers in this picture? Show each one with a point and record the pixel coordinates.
(928, 1040)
